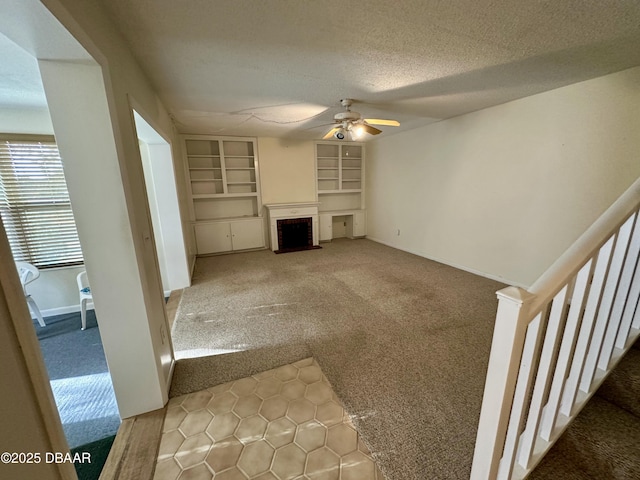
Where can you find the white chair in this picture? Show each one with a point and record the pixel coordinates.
(85, 295)
(28, 273)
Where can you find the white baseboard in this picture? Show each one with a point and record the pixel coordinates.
(454, 265)
(50, 312)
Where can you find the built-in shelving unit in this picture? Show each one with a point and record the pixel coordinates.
(224, 186)
(340, 184)
(339, 167)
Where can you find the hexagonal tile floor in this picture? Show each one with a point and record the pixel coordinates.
(282, 424)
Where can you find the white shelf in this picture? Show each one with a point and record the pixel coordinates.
(331, 192)
(244, 217)
(222, 178)
(344, 189)
(223, 195)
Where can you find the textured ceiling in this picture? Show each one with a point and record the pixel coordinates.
(29, 31)
(280, 67)
(20, 83)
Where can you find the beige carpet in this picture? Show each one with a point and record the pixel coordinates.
(604, 439)
(403, 340)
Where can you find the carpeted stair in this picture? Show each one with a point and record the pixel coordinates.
(604, 440)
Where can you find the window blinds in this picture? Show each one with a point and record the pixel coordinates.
(34, 203)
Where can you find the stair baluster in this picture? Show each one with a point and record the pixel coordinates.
(554, 344)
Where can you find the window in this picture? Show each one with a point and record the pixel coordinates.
(34, 202)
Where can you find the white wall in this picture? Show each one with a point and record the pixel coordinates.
(505, 190)
(86, 143)
(287, 170)
(173, 241)
(22, 120)
(160, 181)
(56, 290)
(126, 282)
(155, 213)
(30, 421)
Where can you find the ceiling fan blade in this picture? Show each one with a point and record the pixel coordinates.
(371, 130)
(330, 133)
(323, 126)
(381, 121)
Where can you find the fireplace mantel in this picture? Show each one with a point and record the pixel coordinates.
(282, 211)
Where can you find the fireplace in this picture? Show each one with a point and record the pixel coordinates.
(295, 233)
(293, 226)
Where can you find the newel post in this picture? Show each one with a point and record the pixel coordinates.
(504, 363)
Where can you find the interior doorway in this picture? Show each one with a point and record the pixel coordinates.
(43, 241)
(160, 182)
(42, 232)
(74, 98)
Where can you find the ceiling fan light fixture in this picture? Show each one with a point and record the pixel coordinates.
(353, 123)
(357, 131)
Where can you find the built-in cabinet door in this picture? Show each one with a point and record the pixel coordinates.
(326, 227)
(247, 234)
(359, 224)
(217, 237)
(213, 237)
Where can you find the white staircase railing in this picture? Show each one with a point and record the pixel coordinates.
(554, 344)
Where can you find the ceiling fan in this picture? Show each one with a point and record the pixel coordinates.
(352, 123)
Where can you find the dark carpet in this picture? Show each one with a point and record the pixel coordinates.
(99, 451)
(79, 377)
